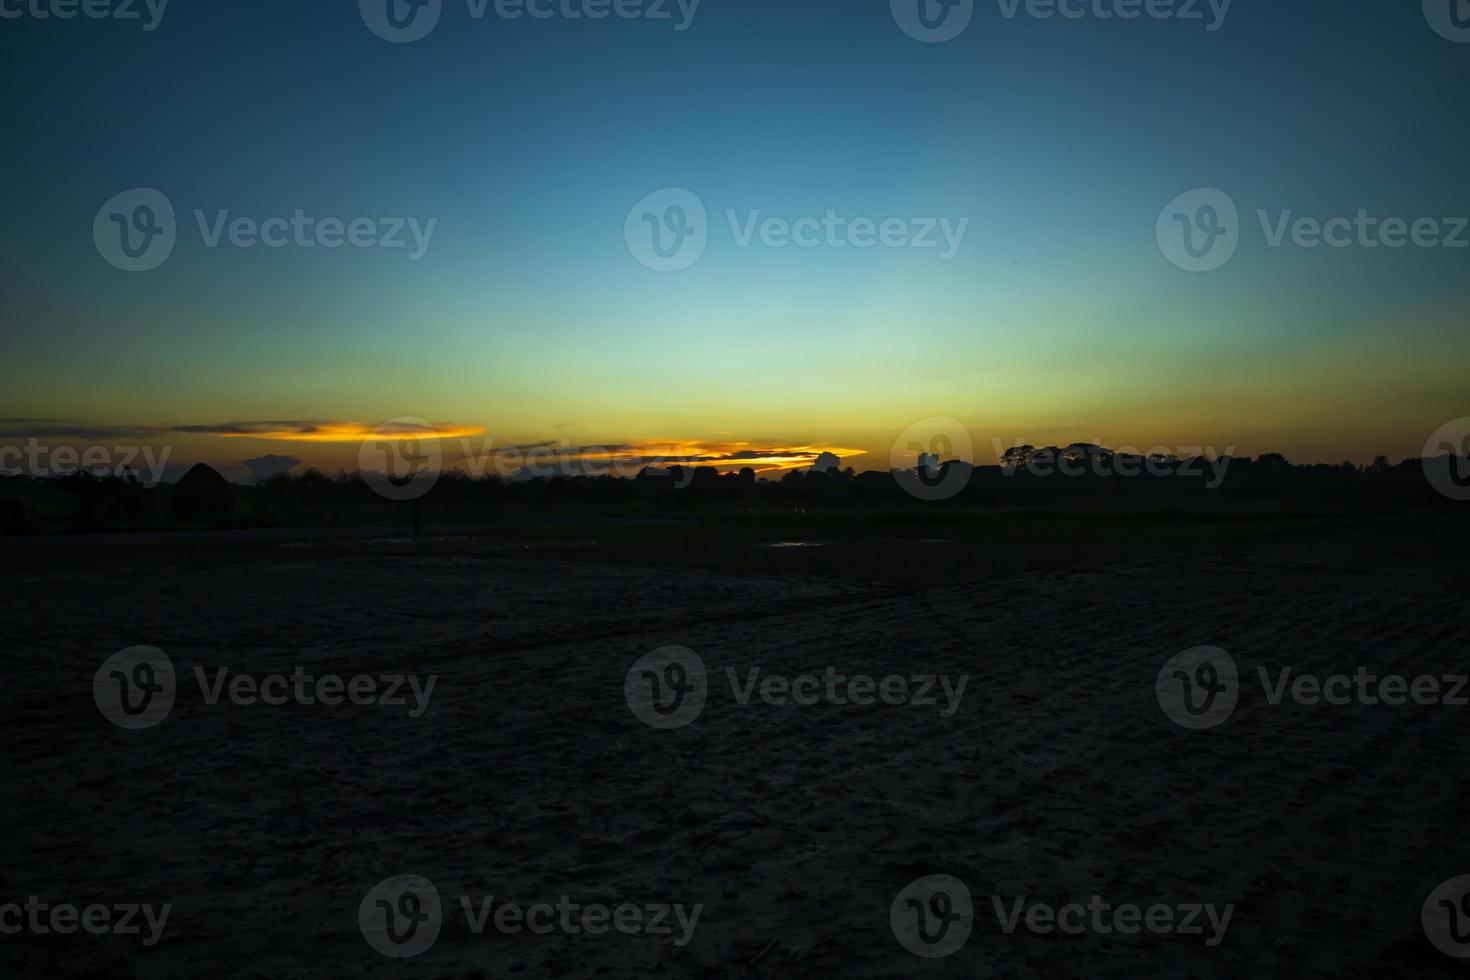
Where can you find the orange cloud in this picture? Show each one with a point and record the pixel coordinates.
(345, 432)
(718, 454)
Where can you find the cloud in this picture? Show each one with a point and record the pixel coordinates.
(548, 457)
(262, 467)
(25, 428)
(722, 454)
(299, 430)
(251, 428)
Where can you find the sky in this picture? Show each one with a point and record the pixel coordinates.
(530, 153)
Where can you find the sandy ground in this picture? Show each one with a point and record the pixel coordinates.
(529, 777)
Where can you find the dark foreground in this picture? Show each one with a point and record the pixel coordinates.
(799, 831)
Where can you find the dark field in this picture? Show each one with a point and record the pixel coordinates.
(527, 777)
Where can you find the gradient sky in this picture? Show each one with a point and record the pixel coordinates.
(529, 141)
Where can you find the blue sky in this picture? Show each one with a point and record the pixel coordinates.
(528, 141)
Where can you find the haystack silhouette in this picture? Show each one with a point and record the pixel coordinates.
(202, 496)
(12, 515)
